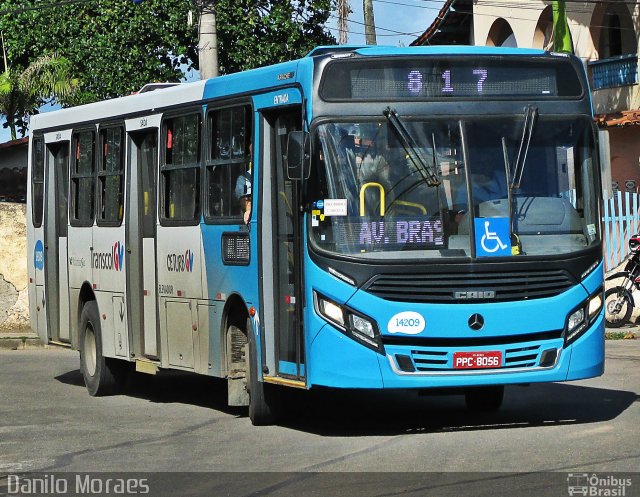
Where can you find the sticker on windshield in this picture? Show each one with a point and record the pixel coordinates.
(335, 207)
(591, 229)
(492, 236)
(407, 323)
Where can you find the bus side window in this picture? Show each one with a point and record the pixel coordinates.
(111, 177)
(180, 171)
(83, 178)
(37, 182)
(229, 164)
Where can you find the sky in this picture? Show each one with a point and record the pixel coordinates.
(392, 17)
(398, 22)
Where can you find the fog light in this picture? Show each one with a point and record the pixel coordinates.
(405, 363)
(548, 358)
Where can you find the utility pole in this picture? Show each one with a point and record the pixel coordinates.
(369, 22)
(343, 16)
(207, 39)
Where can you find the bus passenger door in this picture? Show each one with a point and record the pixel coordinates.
(141, 240)
(286, 248)
(55, 242)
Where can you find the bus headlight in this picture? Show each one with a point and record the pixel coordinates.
(331, 311)
(575, 320)
(595, 305)
(579, 320)
(362, 325)
(353, 324)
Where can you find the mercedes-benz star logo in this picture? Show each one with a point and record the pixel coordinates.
(476, 322)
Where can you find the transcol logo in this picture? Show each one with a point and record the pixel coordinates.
(109, 260)
(180, 263)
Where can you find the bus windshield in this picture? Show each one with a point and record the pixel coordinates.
(371, 198)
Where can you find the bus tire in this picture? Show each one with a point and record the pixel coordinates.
(264, 399)
(102, 375)
(484, 399)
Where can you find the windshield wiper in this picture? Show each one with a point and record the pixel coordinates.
(530, 118)
(514, 177)
(408, 143)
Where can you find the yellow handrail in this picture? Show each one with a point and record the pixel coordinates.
(380, 189)
(420, 207)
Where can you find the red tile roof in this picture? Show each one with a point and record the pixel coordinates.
(15, 143)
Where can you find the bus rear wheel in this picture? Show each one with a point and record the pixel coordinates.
(264, 399)
(102, 375)
(484, 399)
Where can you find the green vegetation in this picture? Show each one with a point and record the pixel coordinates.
(618, 335)
(22, 92)
(114, 47)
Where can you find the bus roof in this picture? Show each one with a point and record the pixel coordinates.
(242, 82)
(386, 50)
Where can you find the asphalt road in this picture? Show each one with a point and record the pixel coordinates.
(177, 422)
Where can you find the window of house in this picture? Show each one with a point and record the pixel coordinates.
(83, 178)
(180, 171)
(37, 182)
(111, 177)
(228, 163)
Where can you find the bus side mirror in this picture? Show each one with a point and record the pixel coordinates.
(298, 155)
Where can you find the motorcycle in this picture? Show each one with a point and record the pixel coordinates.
(618, 300)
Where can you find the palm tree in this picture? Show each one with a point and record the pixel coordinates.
(22, 92)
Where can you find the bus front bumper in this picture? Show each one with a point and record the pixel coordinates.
(335, 360)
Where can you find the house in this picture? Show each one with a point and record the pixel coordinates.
(13, 170)
(605, 35)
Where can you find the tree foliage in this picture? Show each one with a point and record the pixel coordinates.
(22, 92)
(254, 33)
(116, 46)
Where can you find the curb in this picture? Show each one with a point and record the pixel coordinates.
(20, 343)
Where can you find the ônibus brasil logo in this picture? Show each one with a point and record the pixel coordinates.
(180, 263)
(109, 260)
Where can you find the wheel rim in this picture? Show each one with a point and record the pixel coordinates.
(616, 308)
(90, 351)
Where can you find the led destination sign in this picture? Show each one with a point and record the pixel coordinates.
(432, 78)
(395, 235)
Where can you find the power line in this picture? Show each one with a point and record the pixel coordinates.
(504, 17)
(381, 28)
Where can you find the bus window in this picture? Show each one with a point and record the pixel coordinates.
(110, 177)
(181, 170)
(37, 182)
(83, 178)
(229, 166)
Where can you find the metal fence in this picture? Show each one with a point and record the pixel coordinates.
(621, 220)
(614, 71)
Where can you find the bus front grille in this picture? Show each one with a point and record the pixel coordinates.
(506, 286)
(434, 360)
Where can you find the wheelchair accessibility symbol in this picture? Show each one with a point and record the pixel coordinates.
(492, 236)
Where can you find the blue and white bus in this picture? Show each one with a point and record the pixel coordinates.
(367, 218)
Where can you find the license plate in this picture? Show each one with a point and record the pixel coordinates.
(477, 360)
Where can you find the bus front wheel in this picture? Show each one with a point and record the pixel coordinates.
(482, 399)
(264, 399)
(102, 375)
